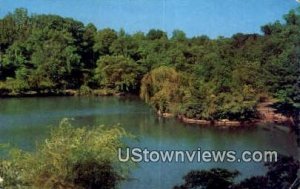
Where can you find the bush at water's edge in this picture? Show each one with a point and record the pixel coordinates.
(69, 158)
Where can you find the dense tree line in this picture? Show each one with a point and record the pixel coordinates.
(198, 77)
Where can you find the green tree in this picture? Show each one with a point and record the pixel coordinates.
(103, 40)
(154, 34)
(119, 73)
(56, 59)
(163, 88)
(178, 35)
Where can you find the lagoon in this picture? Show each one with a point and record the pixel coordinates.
(27, 121)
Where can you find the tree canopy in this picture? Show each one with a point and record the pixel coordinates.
(222, 78)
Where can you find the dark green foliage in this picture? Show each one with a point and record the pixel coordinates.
(212, 179)
(156, 34)
(257, 182)
(221, 78)
(280, 175)
(103, 41)
(94, 175)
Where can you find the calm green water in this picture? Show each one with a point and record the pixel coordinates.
(25, 121)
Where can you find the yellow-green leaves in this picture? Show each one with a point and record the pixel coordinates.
(68, 150)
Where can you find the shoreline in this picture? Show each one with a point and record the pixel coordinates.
(215, 123)
(276, 118)
(62, 93)
(267, 115)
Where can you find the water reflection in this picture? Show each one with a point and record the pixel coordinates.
(23, 121)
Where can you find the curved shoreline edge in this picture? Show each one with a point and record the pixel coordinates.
(266, 114)
(275, 119)
(221, 123)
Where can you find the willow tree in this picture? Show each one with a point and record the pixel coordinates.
(164, 88)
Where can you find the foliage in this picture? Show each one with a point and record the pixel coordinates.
(13, 86)
(218, 78)
(103, 41)
(69, 158)
(85, 90)
(163, 88)
(155, 34)
(214, 178)
(280, 174)
(117, 72)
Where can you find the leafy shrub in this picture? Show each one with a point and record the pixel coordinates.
(3, 88)
(85, 90)
(13, 86)
(69, 158)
